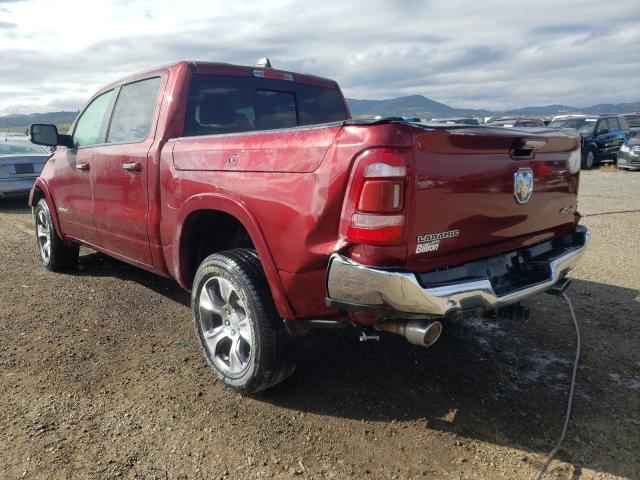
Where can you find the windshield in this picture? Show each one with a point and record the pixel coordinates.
(225, 104)
(583, 125)
(21, 147)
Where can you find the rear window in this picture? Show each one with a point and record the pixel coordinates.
(632, 120)
(21, 147)
(226, 104)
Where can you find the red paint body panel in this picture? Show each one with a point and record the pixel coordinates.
(300, 150)
(464, 180)
(287, 188)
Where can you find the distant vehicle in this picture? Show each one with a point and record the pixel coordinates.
(602, 136)
(20, 164)
(567, 115)
(629, 155)
(516, 122)
(456, 121)
(633, 120)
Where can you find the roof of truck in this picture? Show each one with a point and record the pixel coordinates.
(222, 68)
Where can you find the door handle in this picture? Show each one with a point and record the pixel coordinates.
(82, 166)
(132, 166)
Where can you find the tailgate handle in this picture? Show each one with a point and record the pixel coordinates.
(525, 148)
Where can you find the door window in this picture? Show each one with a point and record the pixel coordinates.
(133, 113)
(602, 125)
(613, 124)
(87, 131)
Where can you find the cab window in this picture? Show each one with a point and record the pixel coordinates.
(602, 125)
(228, 104)
(87, 131)
(613, 124)
(133, 113)
(623, 123)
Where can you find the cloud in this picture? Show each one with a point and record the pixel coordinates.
(475, 55)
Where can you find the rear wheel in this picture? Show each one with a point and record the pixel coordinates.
(242, 338)
(55, 254)
(589, 159)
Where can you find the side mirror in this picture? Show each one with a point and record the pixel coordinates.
(45, 134)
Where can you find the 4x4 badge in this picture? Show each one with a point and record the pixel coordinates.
(523, 185)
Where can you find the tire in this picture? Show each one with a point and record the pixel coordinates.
(56, 255)
(241, 335)
(589, 159)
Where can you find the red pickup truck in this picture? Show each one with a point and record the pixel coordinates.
(254, 189)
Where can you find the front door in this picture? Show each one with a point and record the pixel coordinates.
(72, 182)
(120, 168)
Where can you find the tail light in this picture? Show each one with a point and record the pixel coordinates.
(373, 211)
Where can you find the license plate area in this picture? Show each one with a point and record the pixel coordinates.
(24, 168)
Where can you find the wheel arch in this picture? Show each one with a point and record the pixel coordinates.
(591, 145)
(39, 191)
(219, 204)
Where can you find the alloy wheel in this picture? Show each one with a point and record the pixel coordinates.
(225, 325)
(590, 159)
(44, 235)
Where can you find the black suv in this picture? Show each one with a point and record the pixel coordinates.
(602, 135)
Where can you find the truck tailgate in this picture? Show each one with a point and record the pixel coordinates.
(466, 202)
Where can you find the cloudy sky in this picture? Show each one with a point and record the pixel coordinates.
(469, 54)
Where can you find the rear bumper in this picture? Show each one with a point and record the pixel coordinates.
(16, 186)
(355, 287)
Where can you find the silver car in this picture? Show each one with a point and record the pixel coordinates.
(20, 164)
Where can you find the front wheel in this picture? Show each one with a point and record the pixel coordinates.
(589, 159)
(242, 338)
(55, 254)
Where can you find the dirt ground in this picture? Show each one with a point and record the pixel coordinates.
(101, 377)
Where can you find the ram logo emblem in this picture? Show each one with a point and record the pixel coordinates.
(523, 185)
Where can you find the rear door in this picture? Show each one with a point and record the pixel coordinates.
(72, 182)
(120, 172)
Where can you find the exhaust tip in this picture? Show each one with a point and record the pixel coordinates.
(423, 334)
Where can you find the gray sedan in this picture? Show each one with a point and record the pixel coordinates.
(20, 164)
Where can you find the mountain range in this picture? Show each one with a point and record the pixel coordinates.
(19, 121)
(413, 106)
(420, 106)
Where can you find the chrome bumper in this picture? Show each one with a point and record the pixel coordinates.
(352, 286)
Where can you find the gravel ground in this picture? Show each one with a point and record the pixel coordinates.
(101, 378)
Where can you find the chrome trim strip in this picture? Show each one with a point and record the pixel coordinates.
(351, 283)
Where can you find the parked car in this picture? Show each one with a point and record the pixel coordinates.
(633, 120)
(629, 154)
(20, 164)
(602, 136)
(254, 189)
(516, 122)
(456, 121)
